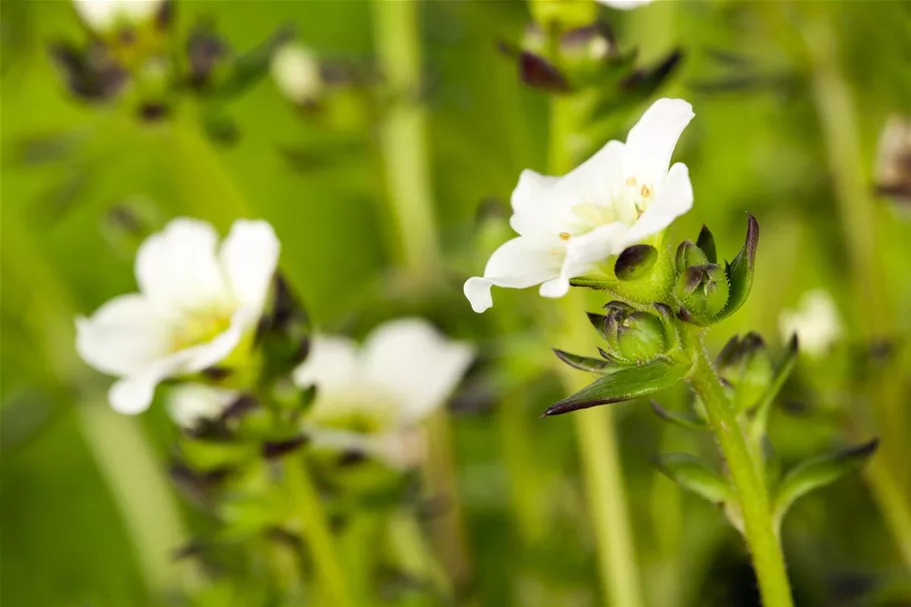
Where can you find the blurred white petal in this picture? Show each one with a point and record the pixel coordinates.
(416, 364)
(177, 269)
(624, 5)
(190, 404)
(296, 72)
(815, 322)
(103, 15)
(249, 256)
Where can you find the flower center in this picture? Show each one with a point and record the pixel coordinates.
(201, 327)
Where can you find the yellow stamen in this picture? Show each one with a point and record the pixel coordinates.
(630, 181)
(645, 191)
(564, 235)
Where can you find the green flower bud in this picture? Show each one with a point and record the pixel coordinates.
(632, 337)
(746, 365)
(703, 291)
(688, 255)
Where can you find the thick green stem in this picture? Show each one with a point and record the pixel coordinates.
(749, 483)
(306, 504)
(406, 160)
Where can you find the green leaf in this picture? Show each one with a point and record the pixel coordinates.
(635, 262)
(706, 242)
(689, 422)
(694, 474)
(623, 384)
(818, 472)
(248, 68)
(740, 271)
(582, 363)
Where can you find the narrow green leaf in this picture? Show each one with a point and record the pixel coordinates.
(818, 472)
(706, 242)
(635, 262)
(623, 384)
(694, 474)
(740, 271)
(689, 422)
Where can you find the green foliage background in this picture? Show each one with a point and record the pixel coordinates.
(757, 144)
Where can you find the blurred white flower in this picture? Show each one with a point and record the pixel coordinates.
(371, 398)
(569, 225)
(103, 16)
(893, 159)
(191, 404)
(195, 305)
(624, 5)
(815, 322)
(296, 72)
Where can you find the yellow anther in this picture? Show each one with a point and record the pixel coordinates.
(630, 181)
(564, 235)
(645, 191)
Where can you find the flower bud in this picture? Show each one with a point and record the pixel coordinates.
(632, 336)
(688, 254)
(746, 365)
(703, 291)
(563, 13)
(297, 74)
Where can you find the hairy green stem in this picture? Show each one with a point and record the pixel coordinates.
(306, 504)
(748, 481)
(406, 160)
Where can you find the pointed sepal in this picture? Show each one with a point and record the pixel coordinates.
(740, 271)
(583, 363)
(706, 243)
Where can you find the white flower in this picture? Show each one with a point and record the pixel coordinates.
(893, 159)
(815, 322)
(191, 404)
(297, 73)
(371, 398)
(104, 15)
(569, 225)
(195, 306)
(624, 5)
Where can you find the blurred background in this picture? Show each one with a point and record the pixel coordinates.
(791, 100)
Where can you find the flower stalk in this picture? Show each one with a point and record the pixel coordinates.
(745, 471)
(403, 145)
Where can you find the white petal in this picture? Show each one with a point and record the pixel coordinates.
(122, 337)
(208, 354)
(416, 364)
(816, 323)
(534, 211)
(598, 180)
(531, 189)
(191, 403)
(651, 142)
(624, 5)
(518, 263)
(583, 254)
(672, 200)
(177, 268)
(249, 256)
(133, 394)
(102, 15)
(333, 365)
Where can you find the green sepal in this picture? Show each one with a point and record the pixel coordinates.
(740, 271)
(780, 374)
(635, 262)
(688, 255)
(706, 243)
(689, 422)
(623, 384)
(694, 474)
(248, 68)
(583, 363)
(818, 472)
(214, 455)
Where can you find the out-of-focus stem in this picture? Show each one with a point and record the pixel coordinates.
(748, 481)
(406, 162)
(307, 504)
(121, 451)
(594, 428)
(838, 119)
